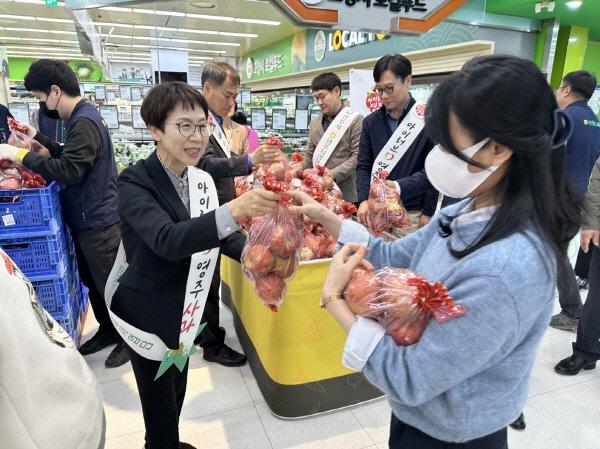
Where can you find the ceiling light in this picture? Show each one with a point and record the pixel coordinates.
(574, 4)
(45, 56)
(572, 39)
(10, 16)
(225, 33)
(56, 31)
(114, 24)
(258, 21)
(209, 17)
(186, 30)
(23, 47)
(116, 9)
(33, 39)
(37, 2)
(203, 5)
(159, 13)
(50, 19)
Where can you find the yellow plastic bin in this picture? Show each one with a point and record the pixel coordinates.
(295, 353)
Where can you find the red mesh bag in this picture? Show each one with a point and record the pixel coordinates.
(319, 177)
(273, 249)
(14, 176)
(401, 301)
(20, 140)
(385, 208)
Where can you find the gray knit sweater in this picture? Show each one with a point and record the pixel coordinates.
(468, 377)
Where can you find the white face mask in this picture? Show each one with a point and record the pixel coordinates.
(451, 176)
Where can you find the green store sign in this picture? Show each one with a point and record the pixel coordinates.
(281, 58)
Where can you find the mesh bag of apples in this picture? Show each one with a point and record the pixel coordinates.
(277, 243)
(400, 300)
(385, 208)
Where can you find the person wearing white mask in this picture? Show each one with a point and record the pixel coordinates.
(496, 252)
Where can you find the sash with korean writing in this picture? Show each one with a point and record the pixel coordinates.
(203, 199)
(219, 134)
(401, 140)
(331, 138)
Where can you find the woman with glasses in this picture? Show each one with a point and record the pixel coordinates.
(162, 228)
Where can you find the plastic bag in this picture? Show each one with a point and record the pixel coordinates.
(385, 208)
(16, 125)
(272, 250)
(400, 300)
(319, 177)
(20, 140)
(14, 176)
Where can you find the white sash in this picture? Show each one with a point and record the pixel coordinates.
(220, 136)
(401, 140)
(331, 138)
(203, 198)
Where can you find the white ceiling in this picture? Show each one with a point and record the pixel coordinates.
(229, 29)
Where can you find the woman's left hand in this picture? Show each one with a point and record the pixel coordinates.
(342, 265)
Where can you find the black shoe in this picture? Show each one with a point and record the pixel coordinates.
(224, 355)
(572, 365)
(186, 446)
(564, 322)
(98, 342)
(519, 423)
(118, 356)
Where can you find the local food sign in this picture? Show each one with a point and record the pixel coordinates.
(341, 39)
(403, 16)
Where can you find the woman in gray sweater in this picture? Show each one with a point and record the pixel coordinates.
(501, 146)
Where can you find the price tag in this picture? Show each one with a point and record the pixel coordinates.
(8, 220)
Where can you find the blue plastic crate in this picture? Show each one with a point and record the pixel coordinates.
(38, 256)
(72, 325)
(55, 295)
(30, 211)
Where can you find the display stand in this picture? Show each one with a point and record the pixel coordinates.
(295, 353)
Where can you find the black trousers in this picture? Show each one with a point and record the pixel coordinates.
(96, 252)
(568, 290)
(161, 400)
(403, 436)
(587, 345)
(582, 265)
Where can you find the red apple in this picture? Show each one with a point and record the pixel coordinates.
(270, 288)
(258, 259)
(285, 267)
(361, 293)
(284, 241)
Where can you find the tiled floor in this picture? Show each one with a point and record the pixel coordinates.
(225, 409)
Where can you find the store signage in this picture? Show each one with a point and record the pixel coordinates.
(339, 40)
(279, 58)
(404, 16)
(260, 66)
(51, 2)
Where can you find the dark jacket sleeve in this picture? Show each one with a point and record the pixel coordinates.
(418, 185)
(152, 223)
(233, 245)
(55, 148)
(364, 163)
(82, 146)
(219, 166)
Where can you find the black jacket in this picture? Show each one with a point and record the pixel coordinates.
(416, 191)
(159, 238)
(86, 166)
(223, 169)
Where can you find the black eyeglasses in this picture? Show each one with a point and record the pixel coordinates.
(187, 129)
(387, 89)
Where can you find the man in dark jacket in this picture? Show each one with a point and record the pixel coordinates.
(220, 86)
(583, 149)
(393, 77)
(86, 166)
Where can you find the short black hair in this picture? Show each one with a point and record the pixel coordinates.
(217, 72)
(240, 118)
(326, 81)
(165, 97)
(399, 65)
(44, 73)
(581, 82)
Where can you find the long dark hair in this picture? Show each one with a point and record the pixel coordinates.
(508, 100)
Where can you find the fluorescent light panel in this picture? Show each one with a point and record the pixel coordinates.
(169, 39)
(180, 30)
(193, 16)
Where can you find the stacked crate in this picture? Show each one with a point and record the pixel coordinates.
(33, 234)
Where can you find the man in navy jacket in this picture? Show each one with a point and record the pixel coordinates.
(583, 149)
(392, 75)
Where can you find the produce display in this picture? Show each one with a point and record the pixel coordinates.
(400, 300)
(272, 250)
(385, 208)
(127, 153)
